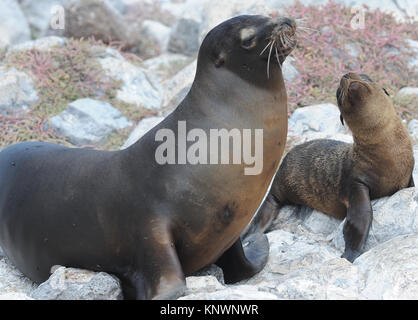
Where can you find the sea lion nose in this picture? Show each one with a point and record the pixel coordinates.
(290, 22)
(284, 21)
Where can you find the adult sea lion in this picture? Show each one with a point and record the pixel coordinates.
(151, 224)
(339, 178)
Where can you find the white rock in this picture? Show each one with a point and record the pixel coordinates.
(413, 62)
(17, 93)
(407, 91)
(392, 216)
(41, 44)
(87, 121)
(416, 165)
(240, 292)
(158, 32)
(15, 296)
(138, 86)
(334, 279)
(391, 269)
(212, 270)
(289, 71)
(217, 11)
(166, 65)
(204, 284)
(304, 221)
(413, 128)
(39, 13)
(12, 281)
(77, 284)
(176, 88)
(289, 252)
(13, 25)
(322, 118)
(142, 128)
(293, 140)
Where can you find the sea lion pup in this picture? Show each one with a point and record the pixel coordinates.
(339, 178)
(148, 223)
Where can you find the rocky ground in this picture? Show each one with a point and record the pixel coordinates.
(57, 87)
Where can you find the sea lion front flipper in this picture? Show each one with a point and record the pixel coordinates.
(411, 183)
(358, 221)
(242, 261)
(158, 274)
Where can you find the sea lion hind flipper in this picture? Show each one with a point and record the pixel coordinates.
(358, 221)
(244, 259)
(411, 183)
(264, 217)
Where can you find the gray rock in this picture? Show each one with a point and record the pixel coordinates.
(17, 93)
(77, 284)
(142, 128)
(184, 37)
(99, 19)
(413, 128)
(39, 13)
(88, 121)
(391, 269)
(139, 87)
(392, 216)
(12, 281)
(13, 25)
(166, 65)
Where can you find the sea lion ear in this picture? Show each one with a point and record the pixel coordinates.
(386, 92)
(220, 60)
(342, 119)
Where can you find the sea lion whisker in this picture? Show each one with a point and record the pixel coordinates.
(277, 57)
(268, 61)
(306, 28)
(266, 47)
(282, 41)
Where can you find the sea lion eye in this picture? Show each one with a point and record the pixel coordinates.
(249, 42)
(386, 92)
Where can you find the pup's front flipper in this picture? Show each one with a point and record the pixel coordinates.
(244, 259)
(358, 221)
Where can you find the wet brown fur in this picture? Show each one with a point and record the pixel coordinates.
(322, 173)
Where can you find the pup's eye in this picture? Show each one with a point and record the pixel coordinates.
(386, 92)
(249, 42)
